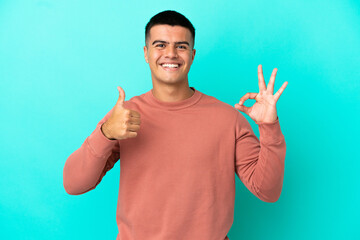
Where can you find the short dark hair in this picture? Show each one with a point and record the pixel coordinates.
(171, 18)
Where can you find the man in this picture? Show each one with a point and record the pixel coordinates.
(177, 177)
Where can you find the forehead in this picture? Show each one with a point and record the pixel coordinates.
(165, 31)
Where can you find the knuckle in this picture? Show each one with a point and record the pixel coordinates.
(126, 119)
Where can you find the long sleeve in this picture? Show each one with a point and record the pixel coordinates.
(84, 168)
(260, 165)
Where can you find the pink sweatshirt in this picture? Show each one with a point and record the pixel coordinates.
(177, 177)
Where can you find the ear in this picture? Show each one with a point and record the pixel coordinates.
(145, 54)
(193, 54)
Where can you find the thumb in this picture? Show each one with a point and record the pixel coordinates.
(121, 98)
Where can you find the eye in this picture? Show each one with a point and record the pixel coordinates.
(183, 47)
(159, 45)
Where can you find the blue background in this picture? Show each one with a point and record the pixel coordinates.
(60, 64)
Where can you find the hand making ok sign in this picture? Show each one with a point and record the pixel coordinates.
(264, 109)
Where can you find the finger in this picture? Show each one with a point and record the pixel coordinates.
(133, 128)
(270, 87)
(243, 109)
(246, 97)
(121, 98)
(130, 134)
(135, 120)
(262, 85)
(134, 114)
(280, 91)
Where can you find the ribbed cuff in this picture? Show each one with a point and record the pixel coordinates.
(99, 143)
(270, 131)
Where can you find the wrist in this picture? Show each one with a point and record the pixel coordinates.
(105, 131)
(267, 122)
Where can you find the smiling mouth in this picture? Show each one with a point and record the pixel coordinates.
(171, 67)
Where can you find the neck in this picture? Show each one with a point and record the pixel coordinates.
(172, 93)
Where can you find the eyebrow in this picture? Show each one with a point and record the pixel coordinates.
(160, 41)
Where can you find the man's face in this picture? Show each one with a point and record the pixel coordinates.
(169, 44)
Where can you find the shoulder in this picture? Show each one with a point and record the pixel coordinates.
(219, 106)
(134, 102)
(223, 109)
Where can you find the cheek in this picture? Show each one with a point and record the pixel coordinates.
(154, 55)
(187, 57)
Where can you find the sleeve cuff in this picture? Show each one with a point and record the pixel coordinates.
(99, 143)
(270, 131)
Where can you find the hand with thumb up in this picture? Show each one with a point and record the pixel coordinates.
(122, 123)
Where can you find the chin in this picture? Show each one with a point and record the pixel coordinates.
(169, 80)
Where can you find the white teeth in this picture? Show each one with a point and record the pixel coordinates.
(171, 65)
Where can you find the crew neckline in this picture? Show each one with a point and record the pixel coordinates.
(173, 105)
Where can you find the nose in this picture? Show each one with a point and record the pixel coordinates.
(171, 52)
